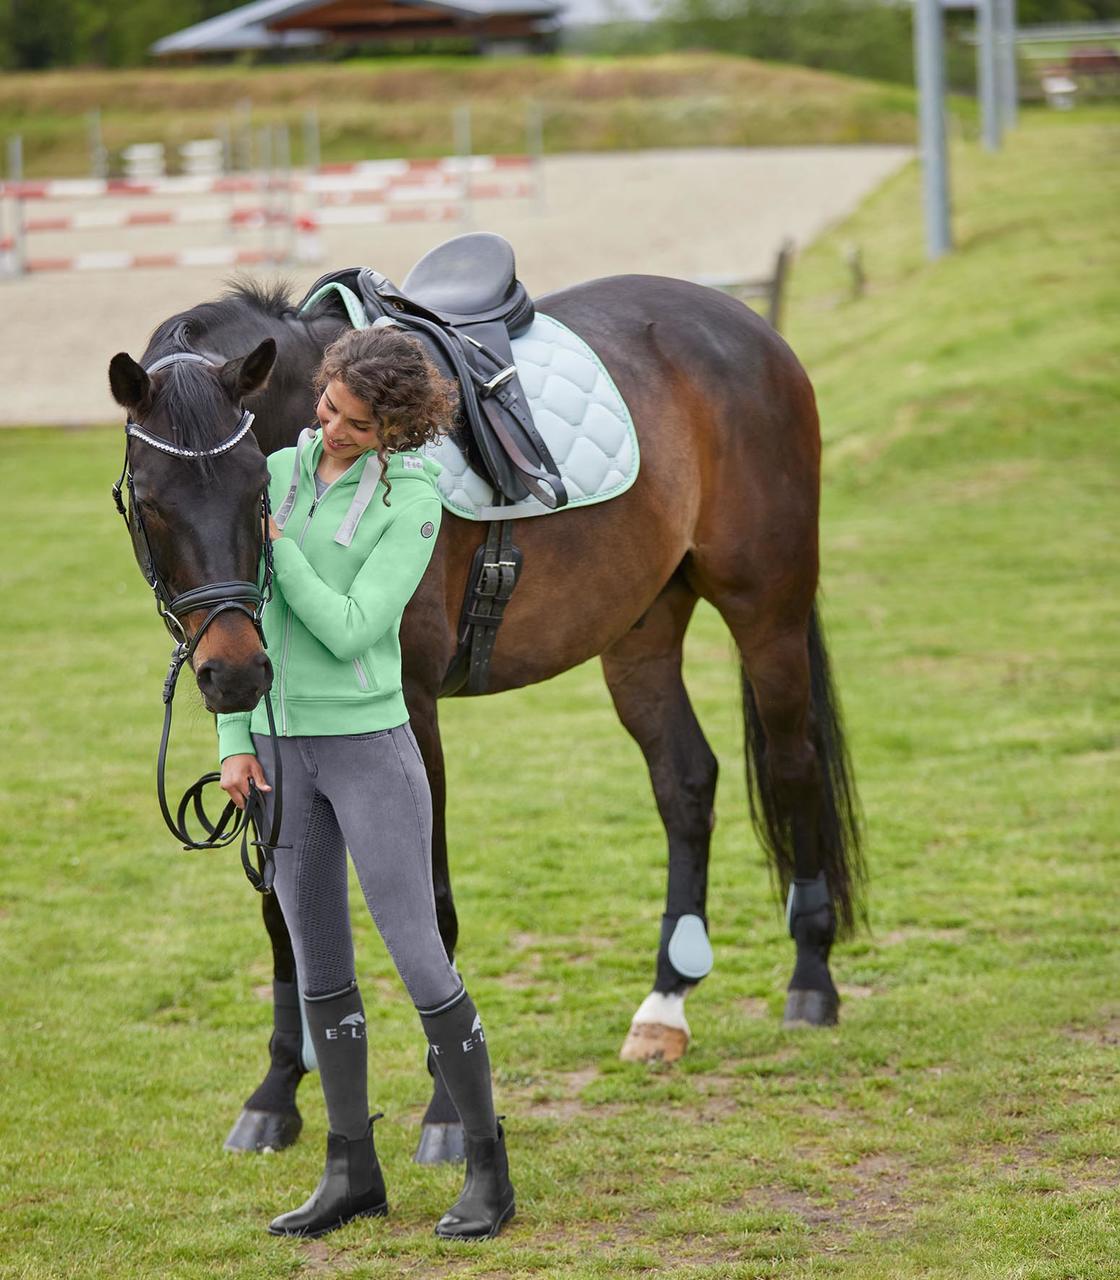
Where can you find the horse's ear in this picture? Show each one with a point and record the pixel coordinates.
(247, 374)
(129, 383)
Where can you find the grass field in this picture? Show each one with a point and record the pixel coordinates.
(403, 107)
(964, 1119)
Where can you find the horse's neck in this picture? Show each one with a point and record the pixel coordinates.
(287, 404)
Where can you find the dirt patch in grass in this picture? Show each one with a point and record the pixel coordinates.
(854, 990)
(558, 1097)
(897, 937)
(876, 1196)
(1105, 1035)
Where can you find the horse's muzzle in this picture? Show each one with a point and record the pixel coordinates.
(234, 686)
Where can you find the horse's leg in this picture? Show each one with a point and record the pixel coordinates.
(441, 1133)
(270, 1119)
(643, 672)
(802, 798)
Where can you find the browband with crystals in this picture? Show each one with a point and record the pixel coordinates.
(165, 446)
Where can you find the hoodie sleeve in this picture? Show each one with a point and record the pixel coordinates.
(234, 738)
(349, 623)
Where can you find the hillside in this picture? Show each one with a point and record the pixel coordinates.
(403, 107)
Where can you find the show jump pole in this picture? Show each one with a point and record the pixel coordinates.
(929, 67)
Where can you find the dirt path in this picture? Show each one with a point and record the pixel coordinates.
(680, 213)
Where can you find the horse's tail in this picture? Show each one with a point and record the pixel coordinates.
(838, 814)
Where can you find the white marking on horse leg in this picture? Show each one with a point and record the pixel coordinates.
(668, 1010)
(658, 1031)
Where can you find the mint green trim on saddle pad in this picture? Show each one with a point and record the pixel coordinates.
(350, 301)
(579, 413)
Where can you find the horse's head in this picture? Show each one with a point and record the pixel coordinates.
(196, 512)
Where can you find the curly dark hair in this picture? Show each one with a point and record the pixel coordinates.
(408, 398)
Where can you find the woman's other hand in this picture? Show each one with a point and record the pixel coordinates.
(237, 773)
(274, 530)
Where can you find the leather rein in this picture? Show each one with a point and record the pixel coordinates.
(216, 598)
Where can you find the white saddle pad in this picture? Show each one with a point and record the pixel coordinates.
(580, 415)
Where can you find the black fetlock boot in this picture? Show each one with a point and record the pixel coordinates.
(351, 1187)
(487, 1199)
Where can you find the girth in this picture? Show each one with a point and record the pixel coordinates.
(493, 576)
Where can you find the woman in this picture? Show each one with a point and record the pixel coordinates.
(356, 519)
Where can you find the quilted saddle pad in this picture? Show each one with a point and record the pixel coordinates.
(579, 413)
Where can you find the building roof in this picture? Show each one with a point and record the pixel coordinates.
(242, 28)
(252, 25)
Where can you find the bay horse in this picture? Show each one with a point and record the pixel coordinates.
(724, 509)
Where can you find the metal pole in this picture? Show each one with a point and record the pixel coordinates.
(264, 160)
(15, 174)
(98, 156)
(462, 129)
(1007, 64)
(986, 74)
(929, 66)
(312, 155)
(244, 112)
(225, 134)
(283, 152)
(534, 146)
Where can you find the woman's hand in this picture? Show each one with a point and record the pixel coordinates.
(274, 530)
(237, 772)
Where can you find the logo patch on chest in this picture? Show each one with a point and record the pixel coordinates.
(427, 529)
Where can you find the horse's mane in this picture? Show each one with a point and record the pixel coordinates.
(237, 321)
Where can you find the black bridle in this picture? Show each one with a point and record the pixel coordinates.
(216, 598)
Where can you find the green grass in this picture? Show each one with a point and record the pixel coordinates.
(403, 107)
(961, 1122)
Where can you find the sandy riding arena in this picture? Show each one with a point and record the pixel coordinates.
(694, 214)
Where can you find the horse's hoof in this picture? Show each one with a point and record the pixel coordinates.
(441, 1144)
(653, 1042)
(264, 1130)
(812, 1009)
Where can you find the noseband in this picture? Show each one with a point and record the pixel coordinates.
(215, 598)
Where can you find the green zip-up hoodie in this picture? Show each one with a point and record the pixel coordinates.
(343, 572)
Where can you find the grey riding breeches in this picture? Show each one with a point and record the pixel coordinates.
(368, 792)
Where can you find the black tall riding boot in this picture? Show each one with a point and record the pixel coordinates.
(460, 1056)
(351, 1187)
(487, 1199)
